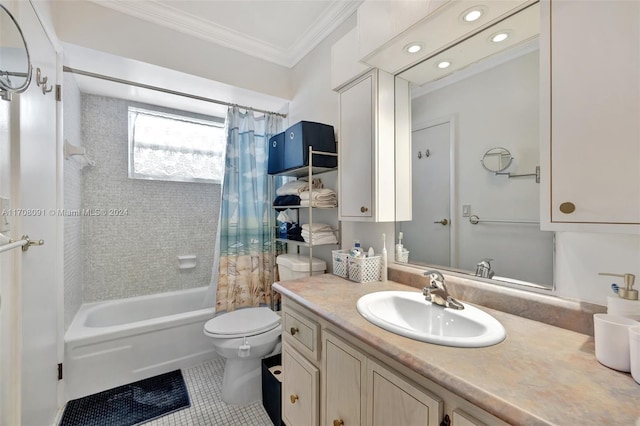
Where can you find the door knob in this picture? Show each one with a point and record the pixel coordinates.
(442, 222)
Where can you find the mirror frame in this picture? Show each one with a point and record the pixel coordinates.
(5, 90)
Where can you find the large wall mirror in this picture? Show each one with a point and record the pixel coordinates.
(475, 157)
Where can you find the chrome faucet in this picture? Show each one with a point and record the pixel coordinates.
(483, 269)
(437, 292)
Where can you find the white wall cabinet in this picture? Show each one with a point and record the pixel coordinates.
(372, 145)
(591, 104)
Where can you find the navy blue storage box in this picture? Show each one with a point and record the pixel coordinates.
(298, 139)
(276, 154)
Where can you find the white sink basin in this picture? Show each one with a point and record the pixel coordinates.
(408, 314)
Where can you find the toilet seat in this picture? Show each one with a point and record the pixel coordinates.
(242, 323)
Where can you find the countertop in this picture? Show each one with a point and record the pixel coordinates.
(540, 374)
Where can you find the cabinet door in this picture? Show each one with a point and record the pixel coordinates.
(344, 373)
(394, 401)
(460, 418)
(355, 145)
(299, 389)
(595, 130)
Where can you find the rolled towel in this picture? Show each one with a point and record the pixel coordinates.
(317, 227)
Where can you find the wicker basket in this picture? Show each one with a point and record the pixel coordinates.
(340, 263)
(404, 257)
(365, 269)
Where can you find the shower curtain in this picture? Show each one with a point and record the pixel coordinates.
(245, 271)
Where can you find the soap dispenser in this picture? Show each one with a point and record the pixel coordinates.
(626, 303)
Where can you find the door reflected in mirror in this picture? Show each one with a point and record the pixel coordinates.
(463, 215)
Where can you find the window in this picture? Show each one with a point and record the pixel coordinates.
(171, 147)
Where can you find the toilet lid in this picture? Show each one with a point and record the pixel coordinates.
(243, 322)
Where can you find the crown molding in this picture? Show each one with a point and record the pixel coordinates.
(331, 18)
(178, 20)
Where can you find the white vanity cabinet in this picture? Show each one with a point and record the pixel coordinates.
(392, 399)
(359, 391)
(332, 379)
(344, 381)
(591, 103)
(372, 145)
(299, 389)
(301, 368)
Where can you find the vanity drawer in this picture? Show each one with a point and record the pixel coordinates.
(301, 332)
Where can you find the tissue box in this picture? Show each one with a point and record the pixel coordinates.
(302, 135)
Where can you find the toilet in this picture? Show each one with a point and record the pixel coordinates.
(243, 337)
(295, 266)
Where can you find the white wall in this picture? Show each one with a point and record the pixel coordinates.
(580, 256)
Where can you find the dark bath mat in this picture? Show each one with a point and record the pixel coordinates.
(130, 404)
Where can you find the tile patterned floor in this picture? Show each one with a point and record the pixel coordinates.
(204, 383)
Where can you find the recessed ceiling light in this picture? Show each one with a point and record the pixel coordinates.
(472, 14)
(498, 37)
(443, 64)
(413, 47)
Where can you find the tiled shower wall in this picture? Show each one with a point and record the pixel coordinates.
(135, 251)
(73, 259)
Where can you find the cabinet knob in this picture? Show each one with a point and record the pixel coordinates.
(293, 331)
(567, 207)
(363, 209)
(338, 422)
(293, 398)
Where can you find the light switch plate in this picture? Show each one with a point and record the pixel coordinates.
(466, 210)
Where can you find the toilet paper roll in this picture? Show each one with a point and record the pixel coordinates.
(276, 370)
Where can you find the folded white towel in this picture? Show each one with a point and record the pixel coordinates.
(320, 237)
(319, 194)
(318, 203)
(316, 227)
(296, 187)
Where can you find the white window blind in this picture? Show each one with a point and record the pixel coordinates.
(170, 147)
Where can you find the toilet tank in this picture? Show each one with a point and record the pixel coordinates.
(294, 266)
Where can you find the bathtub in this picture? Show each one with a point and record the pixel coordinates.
(117, 342)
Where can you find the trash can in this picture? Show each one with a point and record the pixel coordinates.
(272, 388)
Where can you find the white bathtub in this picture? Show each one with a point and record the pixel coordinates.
(112, 343)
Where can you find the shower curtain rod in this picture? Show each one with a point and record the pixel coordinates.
(163, 90)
